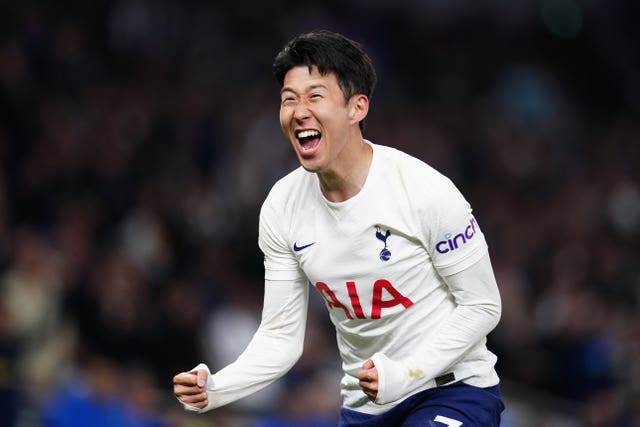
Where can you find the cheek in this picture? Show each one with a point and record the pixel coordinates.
(283, 120)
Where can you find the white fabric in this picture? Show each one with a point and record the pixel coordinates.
(274, 349)
(463, 332)
(404, 268)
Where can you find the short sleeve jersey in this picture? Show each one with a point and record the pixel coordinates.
(378, 258)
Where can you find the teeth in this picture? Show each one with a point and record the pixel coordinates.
(308, 133)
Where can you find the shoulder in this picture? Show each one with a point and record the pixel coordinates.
(288, 190)
(417, 176)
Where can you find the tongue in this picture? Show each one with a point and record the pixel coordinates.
(309, 143)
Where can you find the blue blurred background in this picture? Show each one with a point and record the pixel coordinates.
(138, 139)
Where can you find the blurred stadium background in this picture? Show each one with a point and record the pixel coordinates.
(138, 139)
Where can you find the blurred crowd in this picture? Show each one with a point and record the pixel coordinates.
(138, 139)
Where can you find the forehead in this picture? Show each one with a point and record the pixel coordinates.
(300, 78)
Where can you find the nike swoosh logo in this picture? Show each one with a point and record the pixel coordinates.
(297, 248)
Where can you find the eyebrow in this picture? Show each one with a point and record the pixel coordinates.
(312, 87)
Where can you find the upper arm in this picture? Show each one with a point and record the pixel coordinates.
(279, 261)
(451, 234)
(285, 306)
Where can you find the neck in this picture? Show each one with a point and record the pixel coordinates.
(343, 183)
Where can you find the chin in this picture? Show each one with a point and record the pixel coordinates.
(309, 168)
(309, 165)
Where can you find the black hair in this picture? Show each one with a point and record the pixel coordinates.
(333, 53)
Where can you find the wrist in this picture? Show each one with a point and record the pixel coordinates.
(395, 379)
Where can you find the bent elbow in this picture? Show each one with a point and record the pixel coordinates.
(494, 310)
(285, 355)
(294, 356)
(490, 312)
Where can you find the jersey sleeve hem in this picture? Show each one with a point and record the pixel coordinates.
(468, 261)
(282, 275)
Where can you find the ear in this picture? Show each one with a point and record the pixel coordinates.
(358, 108)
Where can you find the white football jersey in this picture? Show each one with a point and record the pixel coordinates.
(378, 260)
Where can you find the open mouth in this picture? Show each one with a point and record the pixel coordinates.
(308, 139)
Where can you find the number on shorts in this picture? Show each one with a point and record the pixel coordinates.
(447, 421)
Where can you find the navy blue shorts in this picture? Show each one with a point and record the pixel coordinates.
(453, 405)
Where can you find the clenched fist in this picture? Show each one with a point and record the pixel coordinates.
(368, 377)
(190, 389)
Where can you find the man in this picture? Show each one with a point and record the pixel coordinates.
(391, 246)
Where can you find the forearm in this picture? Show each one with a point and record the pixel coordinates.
(476, 314)
(273, 350)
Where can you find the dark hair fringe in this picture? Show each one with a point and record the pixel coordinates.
(329, 52)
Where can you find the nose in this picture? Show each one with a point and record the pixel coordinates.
(301, 111)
